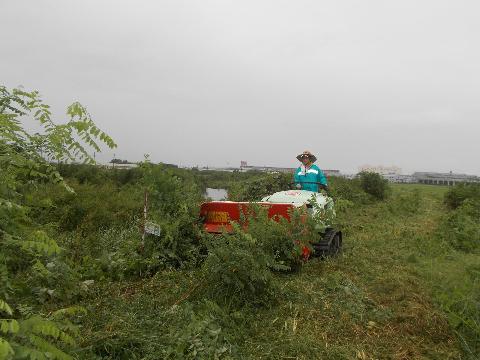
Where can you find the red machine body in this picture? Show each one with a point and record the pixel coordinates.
(218, 215)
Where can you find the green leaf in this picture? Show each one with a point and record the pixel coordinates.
(70, 311)
(5, 307)
(6, 351)
(47, 347)
(9, 326)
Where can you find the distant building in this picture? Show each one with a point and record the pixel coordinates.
(349, 176)
(382, 170)
(444, 178)
(267, 169)
(287, 170)
(122, 164)
(229, 169)
(330, 172)
(393, 178)
(401, 179)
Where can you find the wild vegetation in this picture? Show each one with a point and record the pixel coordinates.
(32, 268)
(76, 280)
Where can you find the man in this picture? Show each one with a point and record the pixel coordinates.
(309, 177)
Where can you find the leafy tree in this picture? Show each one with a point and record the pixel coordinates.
(26, 160)
(374, 184)
(173, 203)
(347, 189)
(461, 192)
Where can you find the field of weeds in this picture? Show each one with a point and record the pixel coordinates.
(388, 295)
(79, 281)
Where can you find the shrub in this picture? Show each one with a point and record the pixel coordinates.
(457, 291)
(91, 208)
(257, 188)
(284, 240)
(374, 184)
(114, 254)
(347, 189)
(239, 266)
(236, 270)
(174, 203)
(84, 217)
(462, 226)
(26, 253)
(83, 173)
(222, 179)
(95, 175)
(461, 192)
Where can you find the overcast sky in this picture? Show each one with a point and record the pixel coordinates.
(214, 82)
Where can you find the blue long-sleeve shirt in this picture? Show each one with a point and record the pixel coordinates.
(311, 175)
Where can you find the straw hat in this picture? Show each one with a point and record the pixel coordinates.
(308, 154)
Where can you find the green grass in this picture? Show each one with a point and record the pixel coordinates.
(385, 297)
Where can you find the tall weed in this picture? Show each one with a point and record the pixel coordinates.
(462, 226)
(461, 192)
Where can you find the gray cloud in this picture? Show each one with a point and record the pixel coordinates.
(216, 82)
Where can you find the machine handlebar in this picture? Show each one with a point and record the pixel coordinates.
(297, 184)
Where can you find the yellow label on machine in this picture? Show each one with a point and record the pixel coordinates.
(217, 216)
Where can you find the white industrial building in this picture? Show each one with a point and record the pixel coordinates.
(444, 178)
(380, 169)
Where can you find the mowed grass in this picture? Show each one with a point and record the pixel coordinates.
(371, 302)
(376, 300)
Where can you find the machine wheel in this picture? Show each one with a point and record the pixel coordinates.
(336, 245)
(329, 245)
